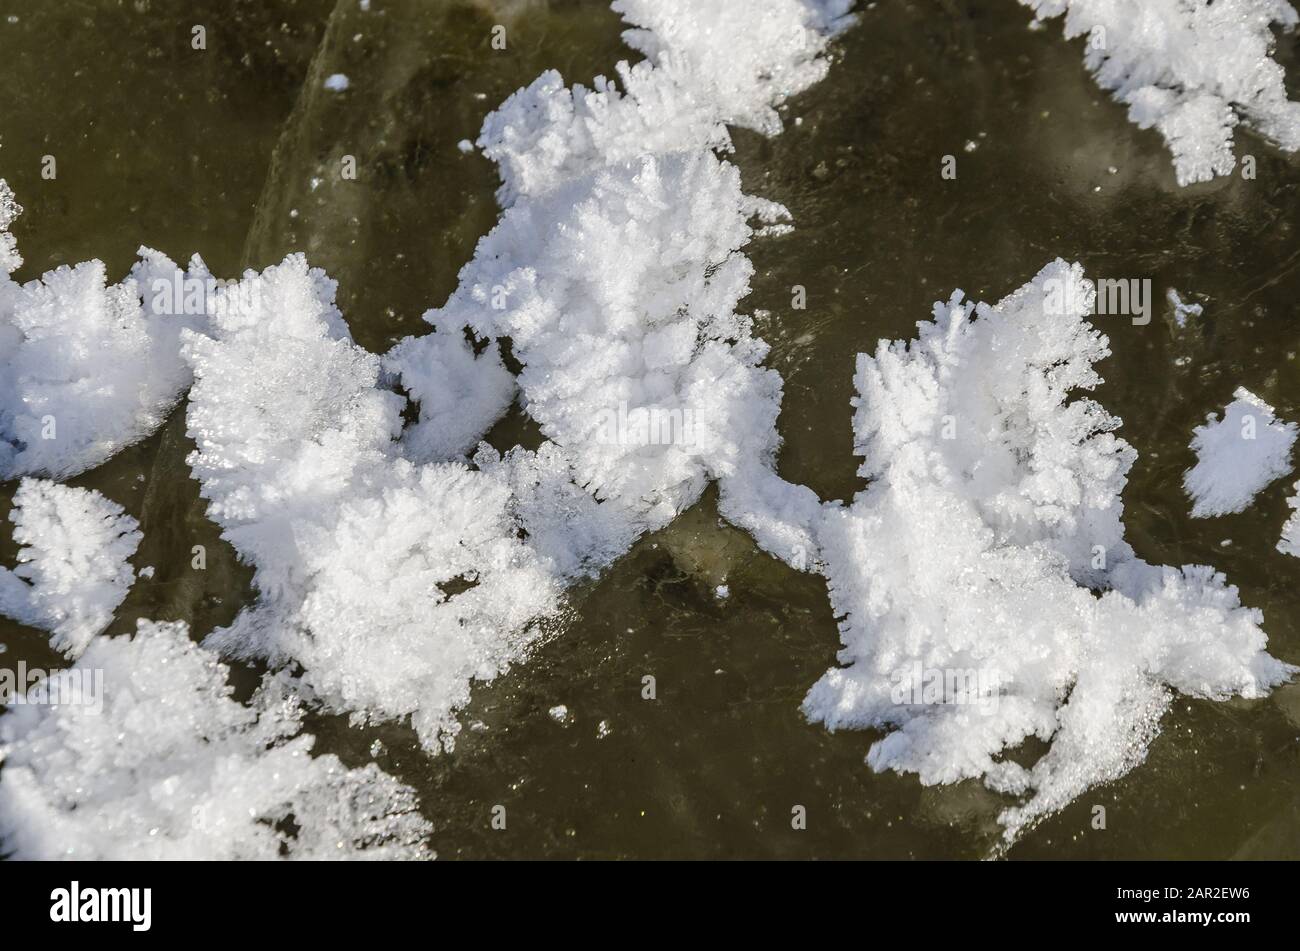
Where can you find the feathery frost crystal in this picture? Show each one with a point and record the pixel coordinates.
(989, 548)
(709, 64)
(393, 585)
(172, 768)
(86, 368)
(1192, 69)
(73, 567)
(1237, 456)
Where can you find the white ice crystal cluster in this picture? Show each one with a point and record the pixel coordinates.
(1290, 542)
(618, 292)
(709, 64)
(615, 274)
(395, 565)
(392, 585)
(87, 368)
(1193, 69)
(146, 756)
(393, 574)
(985, 590)
(1237, 456)
(73, 567)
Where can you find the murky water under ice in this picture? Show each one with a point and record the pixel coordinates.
(214, 151)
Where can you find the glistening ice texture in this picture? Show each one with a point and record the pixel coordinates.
(165, 765)
(1237, 456)
(1192, 69)
(73, 567)
(988, 550)
(87, 368)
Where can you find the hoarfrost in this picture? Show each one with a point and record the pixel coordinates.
(393, 585)
(1237, 456)
(73, 567)
(87, 368)
(1193, 69)
(987, 559)
(165, 765)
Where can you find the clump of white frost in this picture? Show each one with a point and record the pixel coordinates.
(73, 567)
(618, 292)
(393, 574)
(393, 585)
(985, 590)
(1237, 456)
(1192, 69)
(615, 273)
(461, 393)
(709, 63)
(1290, 541)
(87, 368)
(146, 756)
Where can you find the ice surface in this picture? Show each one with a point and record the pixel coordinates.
(1192, 69)
(165, 765)
(395, 566)
(87, 368)
(987, 556)
(1237, 456)
(73, 567)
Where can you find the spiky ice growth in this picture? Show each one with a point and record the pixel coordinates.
(615, 273)
(73, 567)
(1193, 69)
(392, 573)
(393, 585)
(709, 64)
(10, 259)
(985, 590)
(1237, 456)
(618, 292)
(1290, 541)
(146, 756)
(87, 367)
